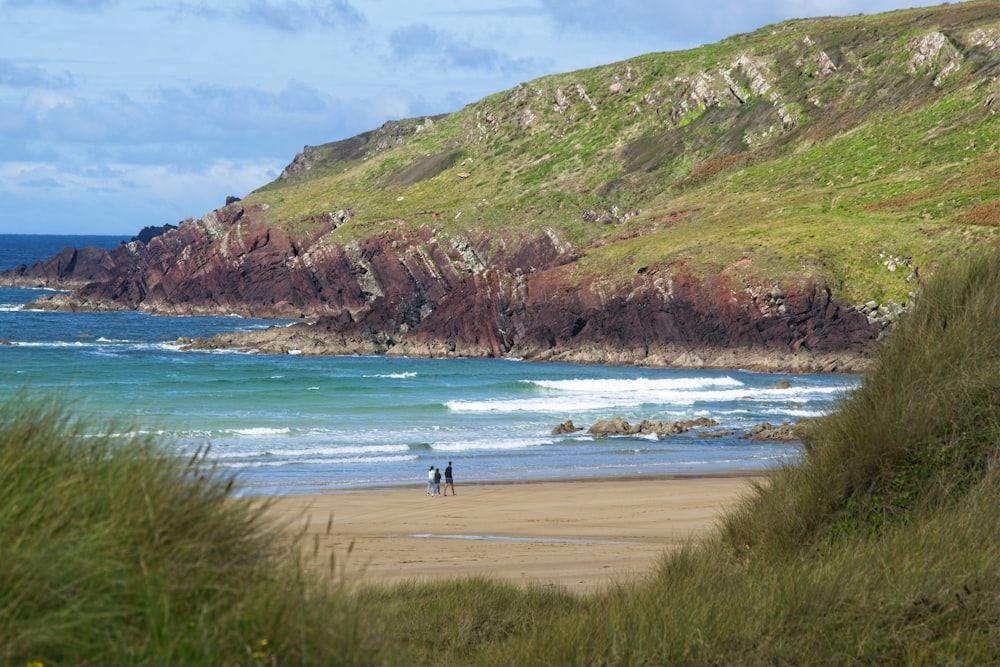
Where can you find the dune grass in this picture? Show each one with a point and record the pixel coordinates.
(879, 548)
(116, 552)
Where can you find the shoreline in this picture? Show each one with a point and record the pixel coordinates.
(298, 336)
(299, 339)
(419, 484)
(580, 535)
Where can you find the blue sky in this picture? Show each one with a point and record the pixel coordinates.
(117, 114)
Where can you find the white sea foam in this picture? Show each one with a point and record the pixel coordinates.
(261, 431)
(346, 451)
(125, 434)
(647, 385)
(394, 376)
(575, 396)
(354, 460)
(53, 343)
(484, 445)
(243, 351)
(297, 453)
(373, 459)
(803, 414)
(99, 352)
(559, 405)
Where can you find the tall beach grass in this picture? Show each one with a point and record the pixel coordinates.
(114, 551)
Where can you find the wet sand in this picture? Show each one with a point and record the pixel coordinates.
(580, 535)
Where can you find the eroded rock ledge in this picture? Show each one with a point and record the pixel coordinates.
(411, 291)
(317, 340)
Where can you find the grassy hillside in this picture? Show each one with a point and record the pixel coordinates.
(880, 548)
(862, 150)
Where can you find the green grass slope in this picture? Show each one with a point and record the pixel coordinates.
(879, 548)
(116, 552)
(861, 150)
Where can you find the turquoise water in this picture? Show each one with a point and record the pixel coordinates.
(288, 424)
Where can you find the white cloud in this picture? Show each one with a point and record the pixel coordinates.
(41, 103)
(167, 183)
(289, 16)
(73, 5)
(121, 198)
(445, 50)
(695, 23)
(22, 75)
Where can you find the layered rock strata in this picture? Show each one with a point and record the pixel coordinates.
(407, 291)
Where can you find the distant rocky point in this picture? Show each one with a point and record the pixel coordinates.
(147, 234)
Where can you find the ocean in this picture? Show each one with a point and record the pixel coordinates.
(292, 424)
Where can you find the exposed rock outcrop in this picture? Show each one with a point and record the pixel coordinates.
(147, 234)
(618, 426)
(408, 291)
(566, 428)
(68, 269)
(786, 432)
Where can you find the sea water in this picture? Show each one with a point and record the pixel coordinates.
(288, 424)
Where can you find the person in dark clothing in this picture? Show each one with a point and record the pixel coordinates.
(437, 481)
(448, 480)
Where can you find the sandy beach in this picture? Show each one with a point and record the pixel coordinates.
(581, 535)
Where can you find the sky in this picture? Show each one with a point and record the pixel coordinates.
(118, 114)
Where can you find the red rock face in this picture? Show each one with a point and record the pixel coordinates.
(546, 316)
(73, 267)
(406, 291)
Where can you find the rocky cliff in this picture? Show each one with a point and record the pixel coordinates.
(410, 291)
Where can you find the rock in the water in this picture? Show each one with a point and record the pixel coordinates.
(619, 426)
(787, 432)
(566, 427)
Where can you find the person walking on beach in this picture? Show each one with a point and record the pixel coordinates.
(437, 481)
(430, 481)
(448, 480)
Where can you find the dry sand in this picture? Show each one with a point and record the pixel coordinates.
(577, 535)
